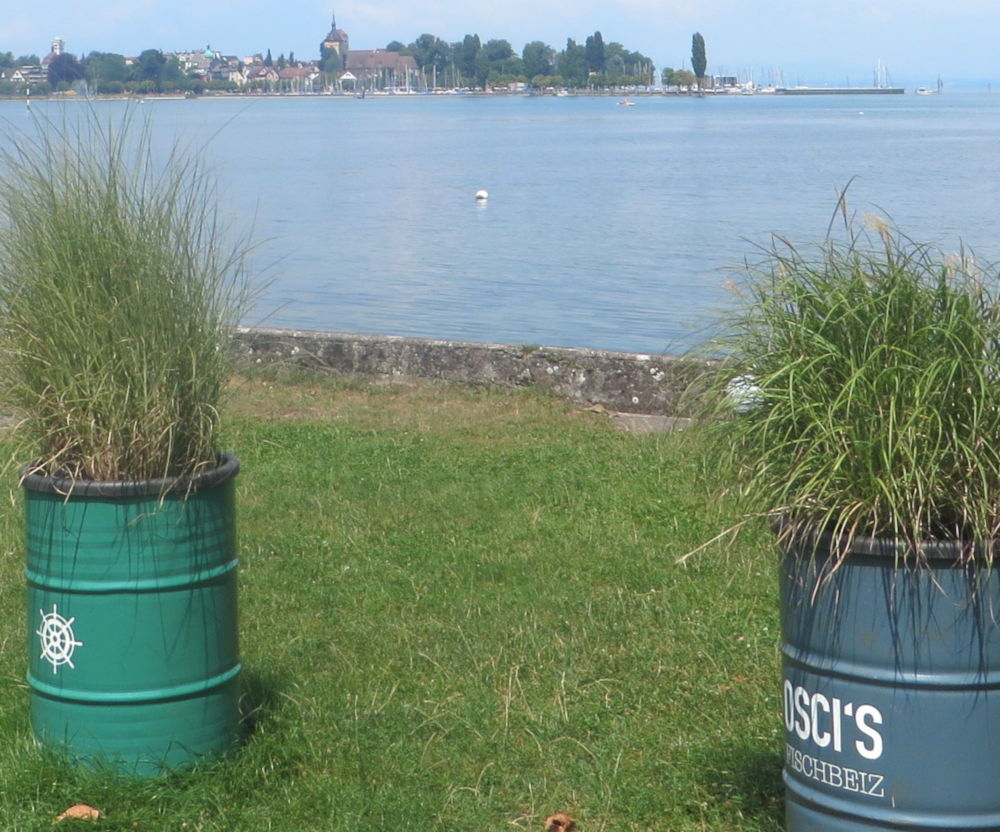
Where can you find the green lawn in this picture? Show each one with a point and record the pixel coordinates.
(460, 610)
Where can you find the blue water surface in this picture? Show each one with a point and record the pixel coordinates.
(606, 227)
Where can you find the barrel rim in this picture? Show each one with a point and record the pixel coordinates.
(31, 480)
(808, 541)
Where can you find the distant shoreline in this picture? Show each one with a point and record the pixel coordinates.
(621, 94)
(353, 96)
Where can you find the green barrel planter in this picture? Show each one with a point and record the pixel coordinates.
(132, 620)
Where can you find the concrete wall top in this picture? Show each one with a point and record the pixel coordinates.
(627, 382)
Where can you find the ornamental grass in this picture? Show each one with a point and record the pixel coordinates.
(118, 289)
(860, 394)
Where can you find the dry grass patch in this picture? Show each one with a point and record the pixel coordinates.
(411, 406)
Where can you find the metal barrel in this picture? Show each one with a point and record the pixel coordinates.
(891, 690)
(132, 620)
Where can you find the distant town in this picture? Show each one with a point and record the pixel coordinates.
(427, 65)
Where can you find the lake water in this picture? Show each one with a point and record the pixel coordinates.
(607, 227)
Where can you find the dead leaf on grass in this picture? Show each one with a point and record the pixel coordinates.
(81, 811)
(559, 823)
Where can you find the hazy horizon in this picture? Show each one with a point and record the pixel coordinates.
(806, 42)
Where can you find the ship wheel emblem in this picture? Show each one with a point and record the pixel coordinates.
(58, 639)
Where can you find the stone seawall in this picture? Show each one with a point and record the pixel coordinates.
(626, 382)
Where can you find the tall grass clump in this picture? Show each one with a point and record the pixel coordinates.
(118, 289)
(860, 394)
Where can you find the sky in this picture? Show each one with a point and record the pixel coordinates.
(833, 42)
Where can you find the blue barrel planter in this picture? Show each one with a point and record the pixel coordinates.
(891, 690)
(132, 620)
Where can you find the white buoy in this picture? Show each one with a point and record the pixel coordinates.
(482, 195)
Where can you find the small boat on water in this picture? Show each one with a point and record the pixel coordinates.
(928, 90)
(625, 102)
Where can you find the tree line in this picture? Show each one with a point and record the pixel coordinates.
(109, 73)
(7, 60)
(473, 63)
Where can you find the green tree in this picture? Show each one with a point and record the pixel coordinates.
(172, 77)
(394, 46)
(64, 69)
(105, 68)
(466, 53)
(514, 67)
(291, 59)
(268, 60)
(432, 55)
(498, 51)
(572, 64)
(683, 78)
(483, 68)
(29, 60)
(148, 70)
(537, 58)
(281, 63)
(626, 67)
(503, 65)
(7, 60)
(615, 68)
(698, 60)
(330, 60)
(428, 50)
(594, 48)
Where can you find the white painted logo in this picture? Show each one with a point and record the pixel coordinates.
(839, 777)
(58, 639)
(825, 721)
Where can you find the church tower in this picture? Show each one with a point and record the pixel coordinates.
(336, 43)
